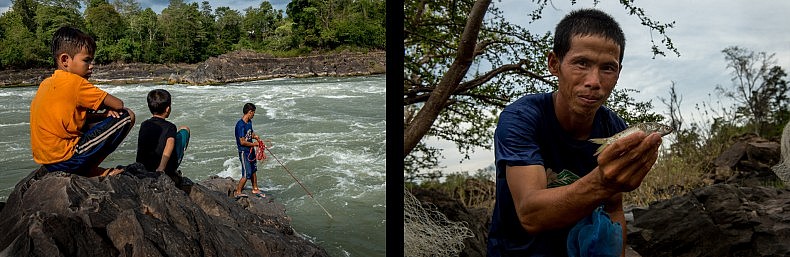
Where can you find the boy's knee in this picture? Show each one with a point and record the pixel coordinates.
(184, 128)
(131, 114)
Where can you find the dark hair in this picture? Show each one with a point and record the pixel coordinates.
(158, 101)
(586, 22)
(248, 107)
(70, 41)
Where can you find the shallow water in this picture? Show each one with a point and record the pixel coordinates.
(330, 132)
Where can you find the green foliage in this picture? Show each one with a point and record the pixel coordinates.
(334, 23)
(51, 17)
(629, 109)
(229, 28)
(106, 26)
(19, 47)
(185, 32)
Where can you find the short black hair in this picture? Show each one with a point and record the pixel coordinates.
(586, 22)
(158, 101)
(70, 41)
(247, 108)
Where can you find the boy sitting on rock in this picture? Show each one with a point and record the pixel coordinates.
(160, 147)
(74, 125)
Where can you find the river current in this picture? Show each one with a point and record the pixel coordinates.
(329, 132)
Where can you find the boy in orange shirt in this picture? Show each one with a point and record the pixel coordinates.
(60, 137)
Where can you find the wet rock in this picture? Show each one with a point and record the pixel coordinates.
(718, 220)
(58, 214)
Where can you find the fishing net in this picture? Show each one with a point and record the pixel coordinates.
(427, 232)
(782, 170)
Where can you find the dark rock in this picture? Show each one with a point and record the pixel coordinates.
(246, 65)
(58, 214)
(718, 220)
(748, 162)
(230, 67)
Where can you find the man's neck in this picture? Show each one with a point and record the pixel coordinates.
(578, 126)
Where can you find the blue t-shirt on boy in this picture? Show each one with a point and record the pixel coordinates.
(244, 130)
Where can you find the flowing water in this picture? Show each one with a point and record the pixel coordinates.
(330, 132)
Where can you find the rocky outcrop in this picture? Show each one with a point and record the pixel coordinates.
(140, 214)
(230, 67)
(746, 212)
(246, 66)
(747, 162)
(718, 220)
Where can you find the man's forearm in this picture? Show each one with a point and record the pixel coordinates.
(560, 207)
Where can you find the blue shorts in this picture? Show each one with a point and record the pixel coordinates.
(182, 141)
(247, 167)
(95, 144)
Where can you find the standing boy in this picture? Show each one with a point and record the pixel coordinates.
(59, 137)
(160, 147)
(244, 136)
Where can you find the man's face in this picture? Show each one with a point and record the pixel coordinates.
(587, 74)
(80, 64)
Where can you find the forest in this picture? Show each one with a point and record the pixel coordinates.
(189, 32)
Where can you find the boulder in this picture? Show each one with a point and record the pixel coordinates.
(748, 162)
(718, 220)
(133, 214)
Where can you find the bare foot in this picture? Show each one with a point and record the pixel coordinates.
(111, 172)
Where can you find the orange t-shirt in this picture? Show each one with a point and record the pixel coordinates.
(57, 114)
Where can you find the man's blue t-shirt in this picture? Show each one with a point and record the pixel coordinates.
(244, 130)
(528, 133)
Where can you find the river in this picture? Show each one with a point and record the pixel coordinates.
(330, 132)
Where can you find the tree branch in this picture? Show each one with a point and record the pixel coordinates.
(430, 111)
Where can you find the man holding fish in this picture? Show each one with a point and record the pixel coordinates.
(551, 184)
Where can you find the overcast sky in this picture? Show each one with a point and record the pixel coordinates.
(702, 30)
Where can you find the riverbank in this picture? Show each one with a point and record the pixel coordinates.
(237, 66)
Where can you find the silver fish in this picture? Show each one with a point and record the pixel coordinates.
(647, 127)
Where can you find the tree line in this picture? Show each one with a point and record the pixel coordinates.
(188, 32)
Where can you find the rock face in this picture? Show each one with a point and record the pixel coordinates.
(58, 214)
(230, 67)
(746, 212)
(246, 66)
(748, 162)
(719, 220)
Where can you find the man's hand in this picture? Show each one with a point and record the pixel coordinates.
(624, 164)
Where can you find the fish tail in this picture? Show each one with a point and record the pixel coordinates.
(600, 141)
(599, 150)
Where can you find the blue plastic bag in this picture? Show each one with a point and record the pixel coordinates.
(596, 236)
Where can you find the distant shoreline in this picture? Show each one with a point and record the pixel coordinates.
(231, 67)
